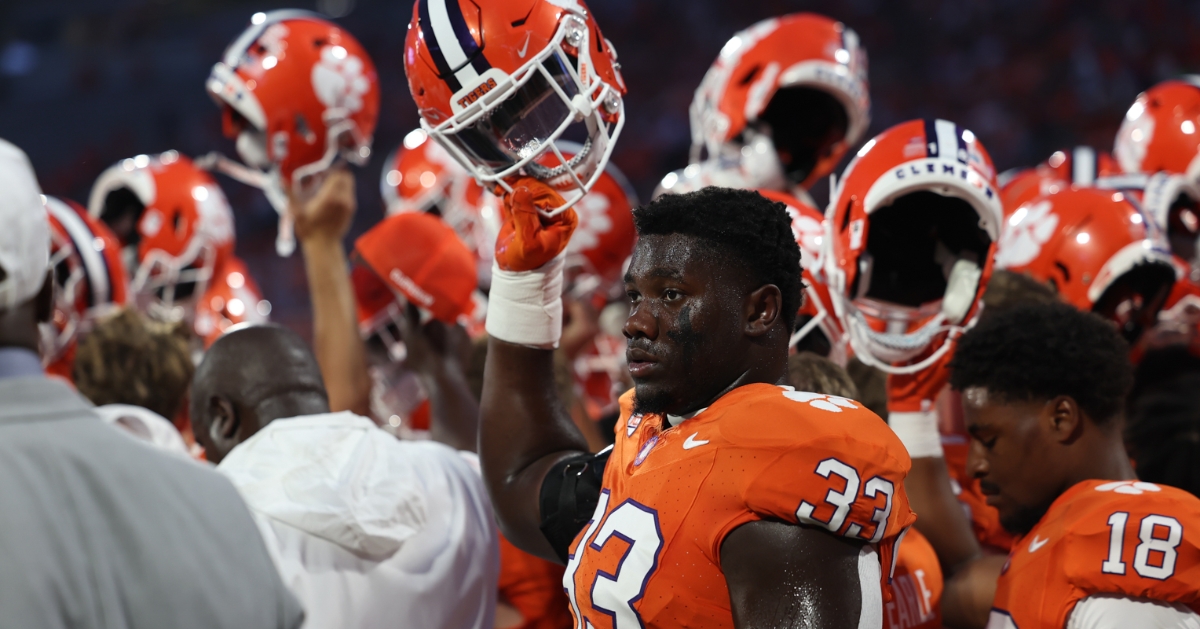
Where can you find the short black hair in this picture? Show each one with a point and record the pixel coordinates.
(754, 229)
(1040, 351)
(1163, 434)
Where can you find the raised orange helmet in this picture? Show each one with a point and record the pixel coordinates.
(499, 83)
(176, 218)
(297, 92)
(1161, 130)
(1098, 251)
(745, 109)
(89, 276)
(913, 223)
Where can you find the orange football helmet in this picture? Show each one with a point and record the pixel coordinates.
(818, 329)
(1161, 130)
(1098, 251)
(90, 279)
(499, 83)
(745, 109)
(297, 92)
(912, 228)
(1081, 166)
(176, 218)
(232, 298)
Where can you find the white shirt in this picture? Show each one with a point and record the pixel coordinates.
(367, 530)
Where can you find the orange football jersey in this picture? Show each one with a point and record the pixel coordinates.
(1102, 537)
(533, 586)
(916, 586)
(650, 556)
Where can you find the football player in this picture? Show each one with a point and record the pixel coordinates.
(1044, 391)
(779, 108)
(728, 500)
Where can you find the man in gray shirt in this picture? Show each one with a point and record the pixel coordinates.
(97, 529)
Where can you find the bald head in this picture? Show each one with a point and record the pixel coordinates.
(249, 378)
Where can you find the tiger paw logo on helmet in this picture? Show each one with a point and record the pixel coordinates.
(1024, 234)
(338, 79)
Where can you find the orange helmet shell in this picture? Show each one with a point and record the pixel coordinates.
(304, 83)
(919, 156)
(498, 83)
(185, 230)
(1081, 240)
(1161, 131)
(801, 49)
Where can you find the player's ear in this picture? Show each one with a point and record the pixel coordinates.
(223, 423)
(1064, 417)
(763, 308)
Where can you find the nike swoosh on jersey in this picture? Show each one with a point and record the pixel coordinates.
(1036, 543)
(692, 442)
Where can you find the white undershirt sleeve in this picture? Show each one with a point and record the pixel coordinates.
(1112, 611)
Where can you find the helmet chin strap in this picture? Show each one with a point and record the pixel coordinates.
(863, 340)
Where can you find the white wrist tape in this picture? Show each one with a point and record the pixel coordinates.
(918, 432)
(525, 307)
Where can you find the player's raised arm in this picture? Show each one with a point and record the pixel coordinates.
(524, 428)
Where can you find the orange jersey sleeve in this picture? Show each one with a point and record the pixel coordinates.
(1122, 537)
(533, 586)
(651, 554)
(916, 586)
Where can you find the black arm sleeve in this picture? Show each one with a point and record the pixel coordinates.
(569, 496)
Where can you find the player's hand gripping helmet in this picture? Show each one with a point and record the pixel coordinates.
(176, 218)
(500, 83)
(745, 110)
(1080, 166)
(1097, 250)
(1161, 130)
(298, 93)
(89, 276)
(911, 229)
(817, 329)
